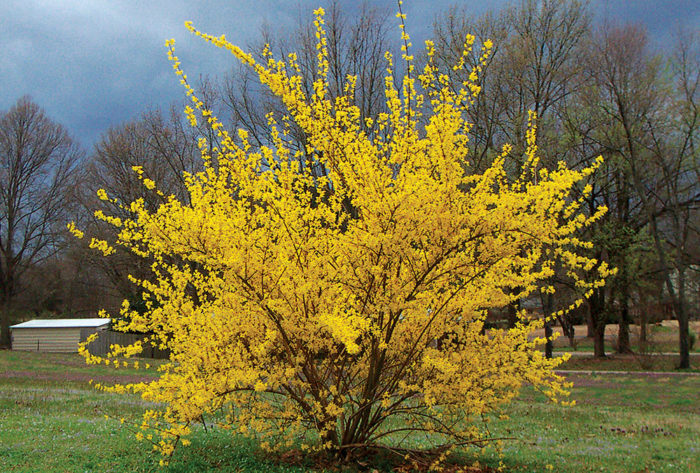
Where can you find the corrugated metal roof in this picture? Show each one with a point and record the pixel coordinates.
(62, 323)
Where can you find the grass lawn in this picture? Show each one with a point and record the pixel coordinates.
(52, 421)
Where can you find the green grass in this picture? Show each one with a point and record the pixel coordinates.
(50, 422)
(620, 424)
(48, 364)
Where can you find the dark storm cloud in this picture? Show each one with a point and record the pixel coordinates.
(93, 64)
(661, 18)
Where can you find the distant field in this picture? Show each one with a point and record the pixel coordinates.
(52, 421)
(615, 362)
(662, 338)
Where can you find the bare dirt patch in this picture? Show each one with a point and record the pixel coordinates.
(587, 381)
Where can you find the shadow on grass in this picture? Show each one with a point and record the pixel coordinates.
(221, 452)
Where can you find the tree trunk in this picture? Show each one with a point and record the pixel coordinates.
(684, 342)
(599, 341)
(572, 335)
(569, 330)
(599, 318)
(623, 215)
(683, 324)
(590, 325)
(623, 333)
(643, 321)
(5, 341)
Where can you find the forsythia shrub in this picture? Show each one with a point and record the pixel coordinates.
(346, 311)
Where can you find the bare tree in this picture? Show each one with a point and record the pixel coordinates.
(534, 66)
(673, 133)
(356, 47)
(593, 131)
(656, 119)
(165, 147)
(487, 113)
(37, 169)
(542, 66)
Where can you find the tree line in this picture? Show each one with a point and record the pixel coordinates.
(598, 89)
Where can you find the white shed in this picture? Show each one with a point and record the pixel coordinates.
(53, 335)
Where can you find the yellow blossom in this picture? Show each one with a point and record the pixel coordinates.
(292, 301)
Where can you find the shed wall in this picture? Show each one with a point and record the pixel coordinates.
(46, 339)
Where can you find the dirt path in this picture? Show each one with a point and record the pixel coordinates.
(653, 374)
(612, 329)
(590, 353)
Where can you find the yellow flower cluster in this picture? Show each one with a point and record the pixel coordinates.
(295, 302)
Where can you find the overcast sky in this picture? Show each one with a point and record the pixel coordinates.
(92, 64)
